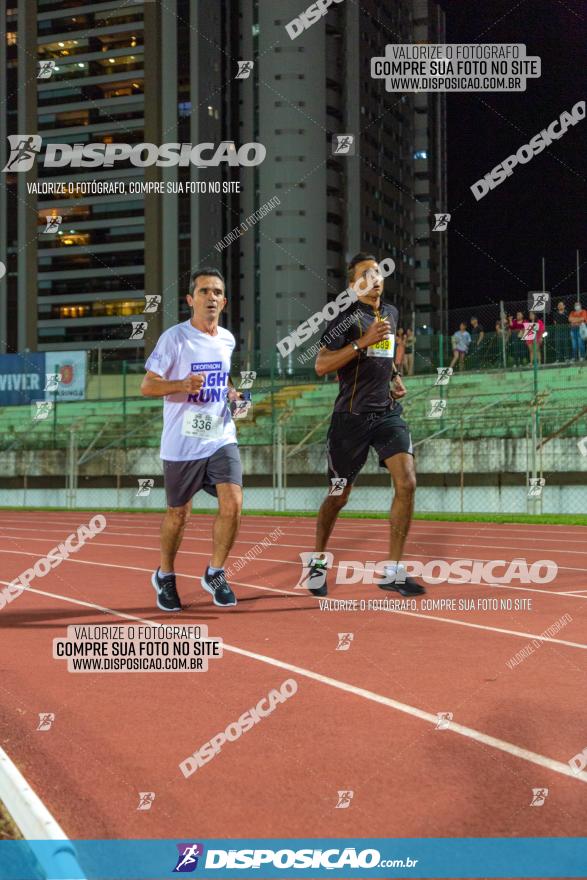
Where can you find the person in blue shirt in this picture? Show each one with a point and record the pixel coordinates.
(461, 341)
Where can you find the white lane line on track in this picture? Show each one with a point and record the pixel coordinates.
(509, 632)
(462, 730)
(100, 543)
(150, 571)
(339, 536)
(573, 594)
(529, 529)
(304, 595)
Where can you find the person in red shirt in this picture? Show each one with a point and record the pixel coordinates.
(533, 328)
(576, 318)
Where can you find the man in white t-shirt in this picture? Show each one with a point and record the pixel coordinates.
(190, 368)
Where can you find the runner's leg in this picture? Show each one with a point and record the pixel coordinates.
(172, 529)
(347, 448)
(327, 516)
(403, 474)
(230, 502)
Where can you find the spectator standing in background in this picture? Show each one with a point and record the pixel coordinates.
(477, 334)
(409, 342)
(532, 329)
(535, 328)
(578, 321)
(518, 347)
(560, 319)
(461, 341)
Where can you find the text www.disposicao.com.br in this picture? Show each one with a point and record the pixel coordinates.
(134, 664)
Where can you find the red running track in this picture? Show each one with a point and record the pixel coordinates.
(362, 719)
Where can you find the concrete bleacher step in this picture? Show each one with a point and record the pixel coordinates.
(492, 404)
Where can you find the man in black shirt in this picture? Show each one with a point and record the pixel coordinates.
(477, 334)
(560, 319)
(366, 413)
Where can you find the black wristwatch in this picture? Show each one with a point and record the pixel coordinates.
(356, 347)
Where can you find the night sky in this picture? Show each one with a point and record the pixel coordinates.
(496, 244)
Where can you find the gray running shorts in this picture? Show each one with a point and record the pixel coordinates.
(183, 479)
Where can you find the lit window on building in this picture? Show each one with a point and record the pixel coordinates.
(420, 154)
(118, 308)
(73, 311)
(67, 238)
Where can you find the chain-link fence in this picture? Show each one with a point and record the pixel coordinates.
(488, 441)
(499, 336)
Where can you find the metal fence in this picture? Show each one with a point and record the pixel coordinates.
(479, 447)
(500, 440)
(496, 351)
(494, 345)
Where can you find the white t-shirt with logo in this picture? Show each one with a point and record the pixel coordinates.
(194, 425)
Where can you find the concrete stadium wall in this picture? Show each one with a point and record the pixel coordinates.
(437, 461)
(489, 456)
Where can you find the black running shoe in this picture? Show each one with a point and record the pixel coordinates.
(316, 578)
(167, 598)
(219, 589)
(404, 585)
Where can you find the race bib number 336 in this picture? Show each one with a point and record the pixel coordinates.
(202, 425)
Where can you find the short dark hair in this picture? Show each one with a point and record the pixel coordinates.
(205, 270)
(358, 258)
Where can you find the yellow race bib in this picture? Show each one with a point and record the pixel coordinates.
(385, 348)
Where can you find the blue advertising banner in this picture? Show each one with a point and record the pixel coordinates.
(22, 378)
(304, 858)
(40, 375)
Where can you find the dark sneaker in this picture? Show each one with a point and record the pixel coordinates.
(404, 585)
(167, 598)
(316, 578)
(219, 589)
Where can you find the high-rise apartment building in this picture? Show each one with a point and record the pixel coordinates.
(430, 187)
(151, 72)
(379, 196)
(131, 73)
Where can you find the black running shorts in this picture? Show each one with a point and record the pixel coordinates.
(351, 434)
(183, 479)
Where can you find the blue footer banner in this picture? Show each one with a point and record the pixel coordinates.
(314, 857)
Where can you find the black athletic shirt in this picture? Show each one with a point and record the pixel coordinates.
(364, 381)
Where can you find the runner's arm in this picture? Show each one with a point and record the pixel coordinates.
(233, 394)
(156, 386)
(330, 361)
